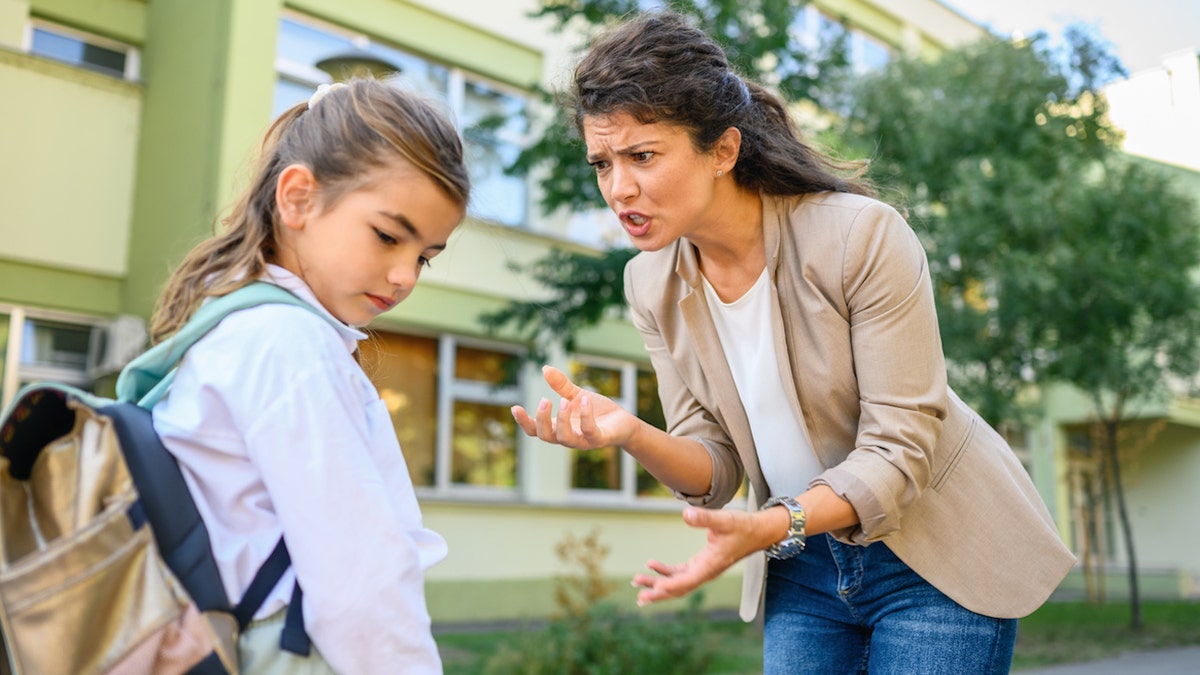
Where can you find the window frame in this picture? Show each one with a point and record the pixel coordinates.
(16, 374)
(133, 60)
(627, 494)
(457, 79)
(451, 389)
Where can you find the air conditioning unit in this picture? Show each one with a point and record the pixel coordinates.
(114, 344)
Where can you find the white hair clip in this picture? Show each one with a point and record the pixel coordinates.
(321, 91)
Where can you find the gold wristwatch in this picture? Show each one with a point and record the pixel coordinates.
(793, 543)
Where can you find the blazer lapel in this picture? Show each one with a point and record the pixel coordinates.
(729, 413)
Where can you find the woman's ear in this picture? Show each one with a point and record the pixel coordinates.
(295, 195)
(726, 149)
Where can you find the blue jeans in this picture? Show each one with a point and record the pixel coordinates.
(837, 608)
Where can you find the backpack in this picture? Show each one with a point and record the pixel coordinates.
(105, 563)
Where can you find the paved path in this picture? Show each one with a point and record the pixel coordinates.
(1182, 661)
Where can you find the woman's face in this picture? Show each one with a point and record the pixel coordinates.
(652, 177)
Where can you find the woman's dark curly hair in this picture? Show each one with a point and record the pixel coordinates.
(657, 67)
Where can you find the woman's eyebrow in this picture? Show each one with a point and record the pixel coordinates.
(629, 150)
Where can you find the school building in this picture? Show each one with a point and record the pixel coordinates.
(127, 129)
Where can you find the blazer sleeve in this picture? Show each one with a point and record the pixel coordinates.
(900, 371)
(684, 415)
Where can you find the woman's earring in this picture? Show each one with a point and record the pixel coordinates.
(720, 173)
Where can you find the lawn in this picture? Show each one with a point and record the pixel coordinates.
(1066, 632)
(1059, 632)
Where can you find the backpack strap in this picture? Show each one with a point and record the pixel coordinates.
(142, 384)
(145, 380)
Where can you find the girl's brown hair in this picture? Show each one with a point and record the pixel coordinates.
(347, 135)
(657, 67)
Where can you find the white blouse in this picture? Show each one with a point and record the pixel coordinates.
(785, 456)
(278, 431)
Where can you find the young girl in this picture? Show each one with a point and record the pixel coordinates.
(277, 429)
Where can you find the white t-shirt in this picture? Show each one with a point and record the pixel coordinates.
(279, 431)
(785, 455)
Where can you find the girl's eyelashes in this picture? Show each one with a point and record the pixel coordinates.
(385, 238)
(422, 261)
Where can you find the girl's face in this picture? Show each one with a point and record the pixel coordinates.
(364, 254)
(652, 177)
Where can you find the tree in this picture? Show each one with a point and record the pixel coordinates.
(1055, 257)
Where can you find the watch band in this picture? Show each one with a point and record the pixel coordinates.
(793, 543)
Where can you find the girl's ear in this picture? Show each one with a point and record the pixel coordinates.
(726, 149)
(295, 195)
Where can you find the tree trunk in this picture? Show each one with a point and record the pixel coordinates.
(1135, 601)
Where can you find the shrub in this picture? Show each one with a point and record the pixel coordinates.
(592, 636)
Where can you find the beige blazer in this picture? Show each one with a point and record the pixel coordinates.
(854, 316)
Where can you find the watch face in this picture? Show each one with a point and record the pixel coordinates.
(789, 548)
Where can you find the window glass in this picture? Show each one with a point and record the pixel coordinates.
(868, 53)
(47, 343)
(492, 121)
(481, 365)
(405, 371)
(598, 469)
(479, 446)
(485, 445)
(427, 77)
(77, 51)
(484, 436)
(649, 408)
(288, 93)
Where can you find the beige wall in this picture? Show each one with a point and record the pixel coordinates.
(67, 166)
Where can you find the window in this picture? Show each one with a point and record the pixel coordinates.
(610, 473)
(450, 404)
(866, 53)
(84, 50)
(40, 346)
(491, 117)
(813, 30)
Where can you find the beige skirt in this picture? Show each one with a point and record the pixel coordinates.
(259, 652)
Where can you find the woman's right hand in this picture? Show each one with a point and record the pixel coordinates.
(585, 420)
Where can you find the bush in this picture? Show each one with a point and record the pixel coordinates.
(592, 636)
(605, 641)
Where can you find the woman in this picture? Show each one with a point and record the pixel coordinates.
(790, 320)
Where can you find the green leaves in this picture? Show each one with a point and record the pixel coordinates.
(1055, 256)
(581, 287)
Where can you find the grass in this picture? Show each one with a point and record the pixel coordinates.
(1059, 632)
(1071, 632)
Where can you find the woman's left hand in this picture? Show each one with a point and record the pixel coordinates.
(732, 535)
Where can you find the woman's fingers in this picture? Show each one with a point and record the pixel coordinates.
(573, 426)
(524, 420)
(544, 421)
(560, 383)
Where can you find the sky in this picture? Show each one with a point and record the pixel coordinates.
(1141, 31)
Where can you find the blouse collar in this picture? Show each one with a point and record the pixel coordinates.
(281, 277)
